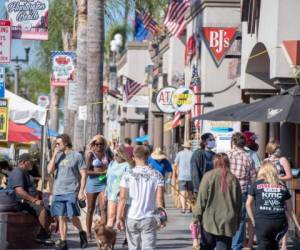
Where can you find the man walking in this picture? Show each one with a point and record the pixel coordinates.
(183, 166)
(19, 180)
(144, 185)
(69, 172)
(243, 167)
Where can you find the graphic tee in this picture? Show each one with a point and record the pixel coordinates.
(67, 173)
(142, 183)
(269, 199)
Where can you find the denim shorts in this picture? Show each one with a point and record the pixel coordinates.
(65, 205)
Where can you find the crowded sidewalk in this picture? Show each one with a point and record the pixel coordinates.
(175, 236)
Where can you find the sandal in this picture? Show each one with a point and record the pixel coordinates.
(183, 211)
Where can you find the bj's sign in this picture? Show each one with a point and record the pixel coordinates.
(218, 41)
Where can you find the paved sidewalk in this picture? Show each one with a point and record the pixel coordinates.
(175, 236)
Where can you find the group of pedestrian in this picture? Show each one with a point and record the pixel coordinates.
(123, 187)
(236, 182)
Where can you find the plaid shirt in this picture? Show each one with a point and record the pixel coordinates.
(243, 167)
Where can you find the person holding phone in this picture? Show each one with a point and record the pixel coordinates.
(69, 172)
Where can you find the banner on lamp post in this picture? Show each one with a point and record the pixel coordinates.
(5, 42)
(62, 68)
(29, 19)
(2, 82)
(3, 119)
(218, 41)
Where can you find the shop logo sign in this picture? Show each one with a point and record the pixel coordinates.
(164, 100)
(218, 41)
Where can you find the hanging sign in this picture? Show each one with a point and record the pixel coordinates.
(73, 90)
(29, 18)
(3, 119)
(2, 82)
(43, 101)
(62, 68)
(183, 99)
(5, 41)
(164, 100)
(82, 113)
(218, 41)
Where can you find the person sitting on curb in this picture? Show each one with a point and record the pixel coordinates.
(19, 180)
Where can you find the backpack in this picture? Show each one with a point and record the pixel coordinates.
(8, 201)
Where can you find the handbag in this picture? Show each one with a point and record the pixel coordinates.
(8, 201)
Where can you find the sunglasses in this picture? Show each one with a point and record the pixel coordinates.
(99, 144)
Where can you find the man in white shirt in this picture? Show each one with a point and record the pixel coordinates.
(144, 185)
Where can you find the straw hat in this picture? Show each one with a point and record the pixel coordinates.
(158, 154)
(187, 144)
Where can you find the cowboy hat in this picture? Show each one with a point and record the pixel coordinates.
(187, 144)
(158, 154)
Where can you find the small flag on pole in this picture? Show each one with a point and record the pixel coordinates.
(196, 87)
(176, 120)
(175, 17)
(148, 22)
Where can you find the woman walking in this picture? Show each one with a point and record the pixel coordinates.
(272, 199)
(98, 158)
(218, 206)
(116, 169)
(283, 171)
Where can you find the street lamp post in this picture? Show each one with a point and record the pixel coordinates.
(17, 60)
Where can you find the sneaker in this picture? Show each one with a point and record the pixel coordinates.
(61, 245)
(83, 239)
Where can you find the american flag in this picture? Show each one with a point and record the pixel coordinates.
(175, 18)
(132, 88)
(196, 87)
(148, 22)
(176, 119)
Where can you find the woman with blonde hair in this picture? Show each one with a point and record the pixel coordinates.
(98, 157)
(281, 163)
(272, 199)
(115, 171)
(283, 170)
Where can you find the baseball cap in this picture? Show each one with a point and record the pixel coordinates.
(25, 157)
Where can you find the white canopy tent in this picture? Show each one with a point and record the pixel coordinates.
(22, 110)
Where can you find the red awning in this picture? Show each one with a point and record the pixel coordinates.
(20, 133)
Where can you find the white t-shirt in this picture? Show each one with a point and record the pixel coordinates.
(142, 183)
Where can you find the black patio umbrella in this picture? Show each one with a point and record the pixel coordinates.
(223, 114)
(284, 107)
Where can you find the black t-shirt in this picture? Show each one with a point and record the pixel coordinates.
(19, 178)
(269, 199)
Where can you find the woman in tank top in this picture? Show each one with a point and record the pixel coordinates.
(98, 157)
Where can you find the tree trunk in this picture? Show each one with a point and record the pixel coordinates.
(95, 57)
(81, 74)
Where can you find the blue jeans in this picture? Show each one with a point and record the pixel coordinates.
(239, 237)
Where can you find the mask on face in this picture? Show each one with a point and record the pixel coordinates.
(211, 144)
